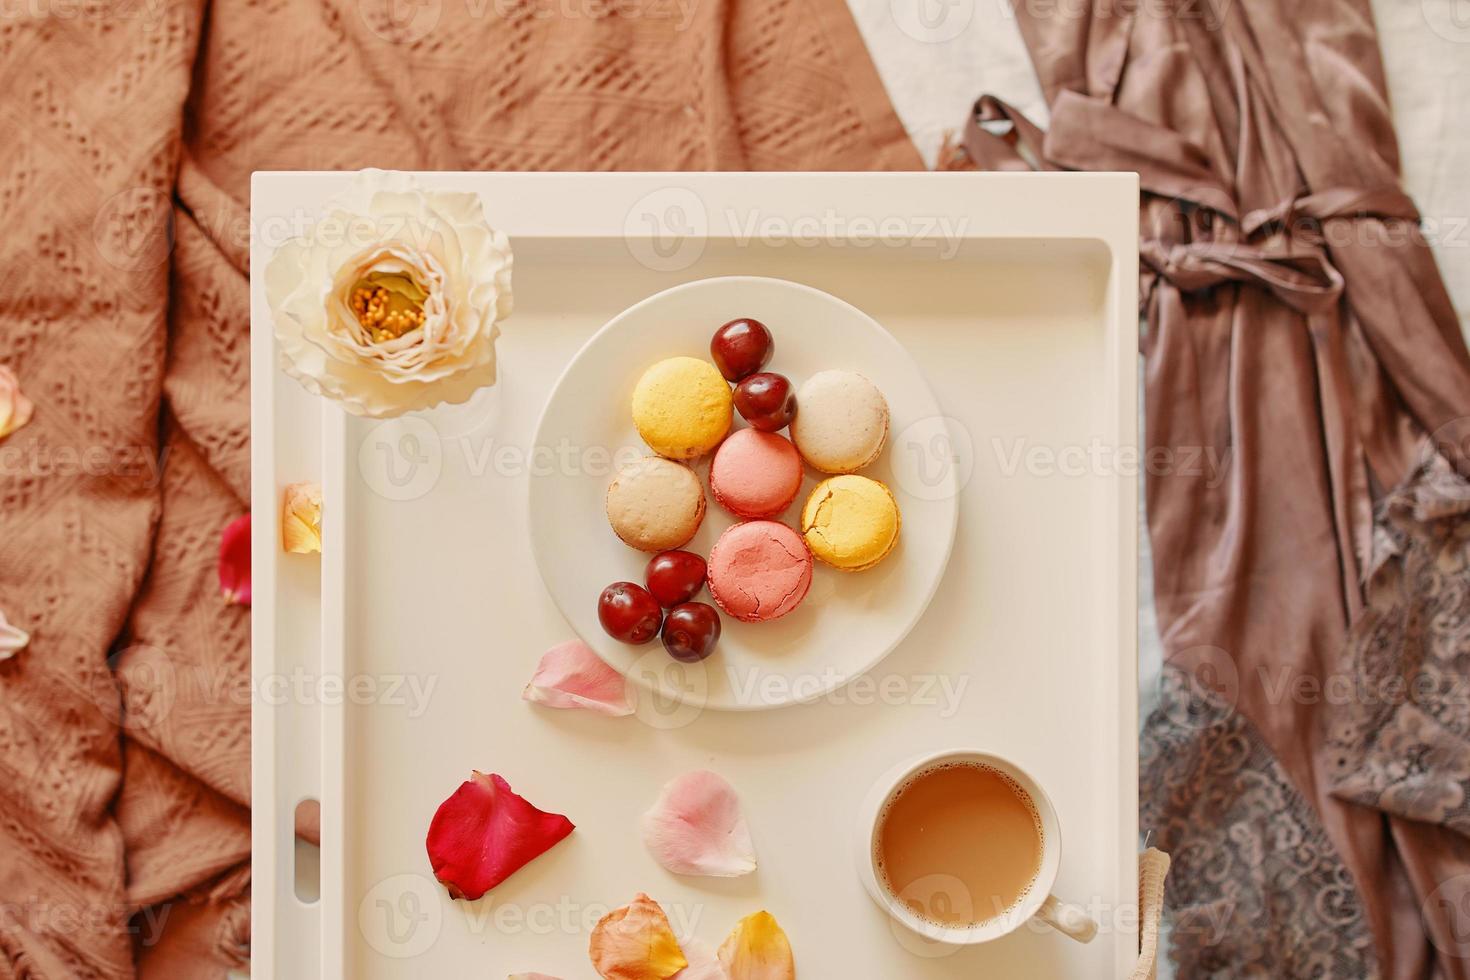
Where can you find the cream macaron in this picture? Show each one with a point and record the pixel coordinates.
(841, 423)
(655, 504)
(682, 407)
(851, 522)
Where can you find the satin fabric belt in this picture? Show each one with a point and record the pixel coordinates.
(1090, 134)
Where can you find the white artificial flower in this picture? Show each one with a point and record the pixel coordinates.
(392, 302)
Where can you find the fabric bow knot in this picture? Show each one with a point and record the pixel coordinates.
(1274, 249)
(1301, 277)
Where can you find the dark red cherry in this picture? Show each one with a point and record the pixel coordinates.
(628, 612)
(691, 631)
(767, 401)
(741, 347)
(674, 577)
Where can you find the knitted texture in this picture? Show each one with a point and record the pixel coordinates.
(132, 131)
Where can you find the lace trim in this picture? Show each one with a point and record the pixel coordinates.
(1257, 889)
(1401, 742)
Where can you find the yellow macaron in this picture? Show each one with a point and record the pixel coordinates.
(682, 407)
(851, 522)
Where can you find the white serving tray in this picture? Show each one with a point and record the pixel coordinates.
(392, 665)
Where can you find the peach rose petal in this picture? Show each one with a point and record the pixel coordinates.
(301, 519)
(484, 833)
(697, 828)
(234, 561)
(571, 675)
(13, 639)
(15, 408)
(703, 963)
(758, 950)
(636, 942)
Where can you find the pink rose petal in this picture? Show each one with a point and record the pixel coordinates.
(703, 963)
(696, 828)
(484, 833)
(571, 675)
(234, 561)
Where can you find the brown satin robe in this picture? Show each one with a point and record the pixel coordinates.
(1298, 329)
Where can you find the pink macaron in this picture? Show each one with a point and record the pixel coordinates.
(759, 570)
(755, 474)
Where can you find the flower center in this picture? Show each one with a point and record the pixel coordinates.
(387, 304)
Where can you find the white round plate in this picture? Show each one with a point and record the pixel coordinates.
(850, 620)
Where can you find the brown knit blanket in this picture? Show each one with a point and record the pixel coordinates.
(131, 129)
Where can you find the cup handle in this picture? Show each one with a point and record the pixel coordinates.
(1068, 919)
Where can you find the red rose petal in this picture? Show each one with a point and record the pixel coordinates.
(234, 561)
(485, 833)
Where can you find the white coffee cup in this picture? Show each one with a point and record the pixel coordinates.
(1038, 902)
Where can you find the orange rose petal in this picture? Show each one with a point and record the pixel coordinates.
(758, 950)
(234, 561)
(636, 942)
(15, 408)
(301, 519)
